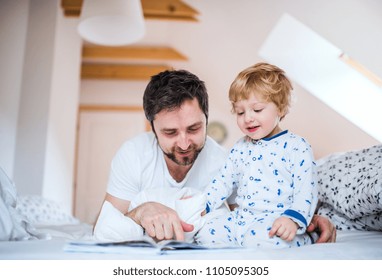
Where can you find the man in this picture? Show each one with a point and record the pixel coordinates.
(176, 154)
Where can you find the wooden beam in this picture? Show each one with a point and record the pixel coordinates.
(361, 69)
(152, 9)
(97, 107)
(166, 53)
(120, 71)
(72, 8)
(168, 10)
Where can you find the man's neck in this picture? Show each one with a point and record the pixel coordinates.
(177, 172)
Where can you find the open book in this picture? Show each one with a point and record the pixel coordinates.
(145, 246)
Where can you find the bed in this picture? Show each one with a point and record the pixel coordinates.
(350, 195)
(350, 245)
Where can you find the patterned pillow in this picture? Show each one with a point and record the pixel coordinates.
(350, 189)
(40, 211)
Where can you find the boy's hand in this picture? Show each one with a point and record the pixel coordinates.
(284, 228)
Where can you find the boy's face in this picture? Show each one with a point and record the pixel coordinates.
(257, 118)
(181, 133)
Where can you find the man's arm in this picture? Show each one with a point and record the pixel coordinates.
(121, 204)
(159, 221)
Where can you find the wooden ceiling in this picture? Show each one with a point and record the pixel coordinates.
(115, 68)
(132, 52)
(100, 62)
(152, 9)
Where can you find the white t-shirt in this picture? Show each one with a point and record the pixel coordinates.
(140, 165)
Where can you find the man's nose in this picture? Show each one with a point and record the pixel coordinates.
(183, 141)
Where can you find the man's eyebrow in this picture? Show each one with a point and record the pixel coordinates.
(169, 129)
(195, 124)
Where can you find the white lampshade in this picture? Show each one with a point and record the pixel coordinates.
(111, 22)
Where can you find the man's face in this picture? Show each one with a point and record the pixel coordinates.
(181, 133)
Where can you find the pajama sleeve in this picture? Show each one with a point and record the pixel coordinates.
(303, 169)
(223, 184)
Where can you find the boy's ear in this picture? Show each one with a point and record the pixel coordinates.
(282, 114)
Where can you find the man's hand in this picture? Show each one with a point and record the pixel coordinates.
(284, 228)
(325, 229)
(159, 221)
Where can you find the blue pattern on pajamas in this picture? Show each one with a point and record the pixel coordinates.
(274, 177)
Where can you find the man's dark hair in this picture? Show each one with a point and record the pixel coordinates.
(169, 89)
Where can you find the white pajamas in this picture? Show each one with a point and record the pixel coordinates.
(274, 177)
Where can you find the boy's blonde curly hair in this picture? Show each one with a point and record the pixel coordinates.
(267, 82)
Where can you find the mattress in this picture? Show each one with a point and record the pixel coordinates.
(350, 245)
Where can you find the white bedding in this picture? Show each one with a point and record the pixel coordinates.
(350, 245)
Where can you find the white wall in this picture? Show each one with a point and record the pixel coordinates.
(63, 107)
(35, 97)
(13, 28)
(41, 52)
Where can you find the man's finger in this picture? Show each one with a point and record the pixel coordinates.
(150, 230)
(159, 232)
(186, 227)
(310, 228)
(168, 231)
(178, 231)
(334, 236)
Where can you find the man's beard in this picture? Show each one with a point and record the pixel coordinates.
(184, 161)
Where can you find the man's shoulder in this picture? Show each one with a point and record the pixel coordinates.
(139, 144)
(147, 136)
(143, 139)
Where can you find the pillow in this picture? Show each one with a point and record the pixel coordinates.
(12, 225)
(42, 211)
(350, 189)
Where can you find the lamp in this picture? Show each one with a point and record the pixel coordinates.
(111, 22)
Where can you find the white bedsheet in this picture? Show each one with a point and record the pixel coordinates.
(350, 245)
